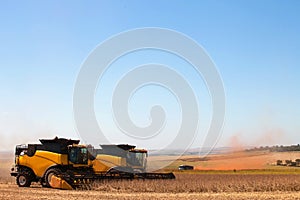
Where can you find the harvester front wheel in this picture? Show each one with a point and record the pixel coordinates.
(23, 180)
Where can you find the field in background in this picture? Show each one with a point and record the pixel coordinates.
(241, 160)
(239, 175)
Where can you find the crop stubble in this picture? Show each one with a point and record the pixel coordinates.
(186, 186)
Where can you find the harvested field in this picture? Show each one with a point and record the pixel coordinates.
(214, 183)
(8, 192)
(186, 186)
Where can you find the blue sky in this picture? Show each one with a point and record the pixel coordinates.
(255, 45)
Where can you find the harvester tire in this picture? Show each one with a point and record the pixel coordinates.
(49, 174)
(23, 180)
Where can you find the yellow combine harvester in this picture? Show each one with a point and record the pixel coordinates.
(65, 164)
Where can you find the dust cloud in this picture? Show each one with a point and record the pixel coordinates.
(237, 158)
(19, 130)
(269, 137)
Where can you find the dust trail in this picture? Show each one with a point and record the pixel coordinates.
(236, 142)
(272, 136)
(238, 158)
(16, 129)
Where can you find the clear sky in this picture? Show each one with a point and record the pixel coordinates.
(255, 45)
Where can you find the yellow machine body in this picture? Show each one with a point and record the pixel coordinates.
(103, 163)
(41, 161)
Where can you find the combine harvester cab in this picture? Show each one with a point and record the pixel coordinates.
(65, 164)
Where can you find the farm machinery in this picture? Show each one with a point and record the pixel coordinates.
(65, 164)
